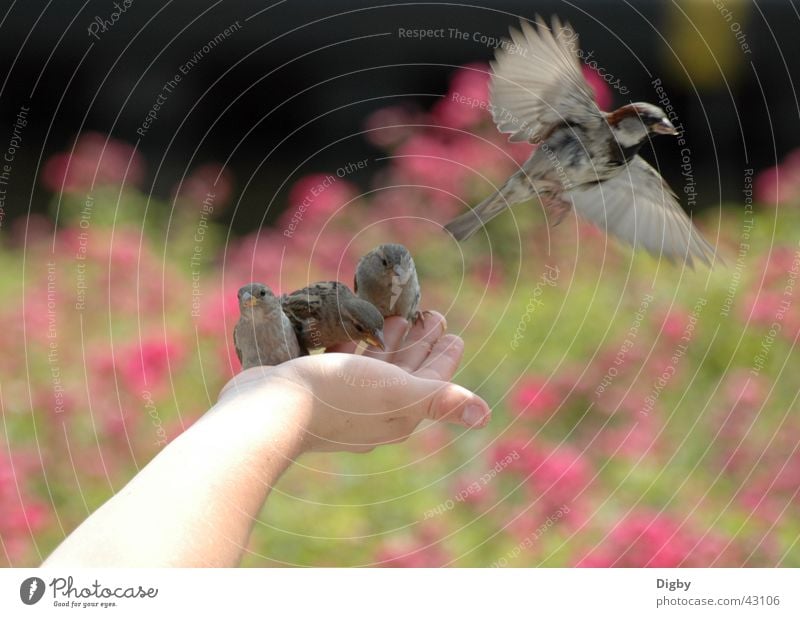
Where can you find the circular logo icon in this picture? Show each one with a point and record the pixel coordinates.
(31, 590)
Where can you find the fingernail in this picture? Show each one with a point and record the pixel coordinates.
(473, 415)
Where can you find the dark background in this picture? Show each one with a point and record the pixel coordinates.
(288, 93)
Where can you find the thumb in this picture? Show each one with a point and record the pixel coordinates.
(441, 400)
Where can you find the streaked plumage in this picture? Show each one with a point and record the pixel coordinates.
(329, 313)
(387, 278)
(263, 336)
(586, 159)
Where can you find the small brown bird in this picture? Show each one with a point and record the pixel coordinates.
(263, 336)
(587, 159)
(328, 313)
(387, 278)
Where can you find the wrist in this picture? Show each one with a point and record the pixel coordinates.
(272, 408)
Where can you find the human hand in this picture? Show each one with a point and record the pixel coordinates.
(345, 402)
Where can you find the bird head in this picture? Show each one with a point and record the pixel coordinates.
(253, 296)
(362, 322)
(634, 123)
(391, 259)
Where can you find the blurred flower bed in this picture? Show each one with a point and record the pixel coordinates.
(645, 415)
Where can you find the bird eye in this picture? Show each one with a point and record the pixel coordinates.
(384, 262)
(359, 327)
(263, 293)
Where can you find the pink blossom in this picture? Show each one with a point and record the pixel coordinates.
(775, 492)
(211, 183)
(745, 390)
(520, 151)
(777, 264)
(467, 101)
(514, 453)
(602, 91)
(146, 366)
(390, 126)
(779, 184)
(535, 398)
(316, 197)
(561, 477)
(96, 160)
(762, 306)
(474, 489)
(655, 540)
(218, 310)
(673, 324)
(422, 550)
(429, 161)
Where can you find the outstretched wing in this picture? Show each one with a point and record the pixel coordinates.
(537, 83)
(639, 208)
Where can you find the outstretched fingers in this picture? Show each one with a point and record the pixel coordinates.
(420, 342)
(443, 360)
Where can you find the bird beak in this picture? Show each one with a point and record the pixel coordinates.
(248, 299)
(376, 340)
(399, 271)
(665, 128)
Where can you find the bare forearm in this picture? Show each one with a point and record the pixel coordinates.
(194, 504)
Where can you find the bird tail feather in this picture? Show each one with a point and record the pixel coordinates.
(464, 226)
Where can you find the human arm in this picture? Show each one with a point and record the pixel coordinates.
(194, 504)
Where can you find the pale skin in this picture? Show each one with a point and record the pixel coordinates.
(195, 503)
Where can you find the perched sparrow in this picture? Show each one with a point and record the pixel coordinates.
(586, 159)
(387, 278)
(325, 314)
(263, 336)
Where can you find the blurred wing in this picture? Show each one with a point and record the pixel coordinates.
(639, 208)
(537, 83)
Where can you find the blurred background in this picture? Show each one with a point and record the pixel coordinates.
(157, 156)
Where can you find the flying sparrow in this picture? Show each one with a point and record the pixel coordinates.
(587, 159)
(324, 314)
(263, 336)
(387, 278)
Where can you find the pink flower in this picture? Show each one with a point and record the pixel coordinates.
(20, 515)
(146, 366)
(535, 398)
(218, 311)
(422, 550)
(602, 91)
(761, 307)
(95, 160)
(674, 323)
(429, 161)
(467, 101)
(645, 539)
(390, 126)
(779, 184)
(745, 390)
(562, 476)
(316, 198)
(515, 454)
(474, 489)
(211, 183)
(775, 492)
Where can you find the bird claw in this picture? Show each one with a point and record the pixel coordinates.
(419, 316)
